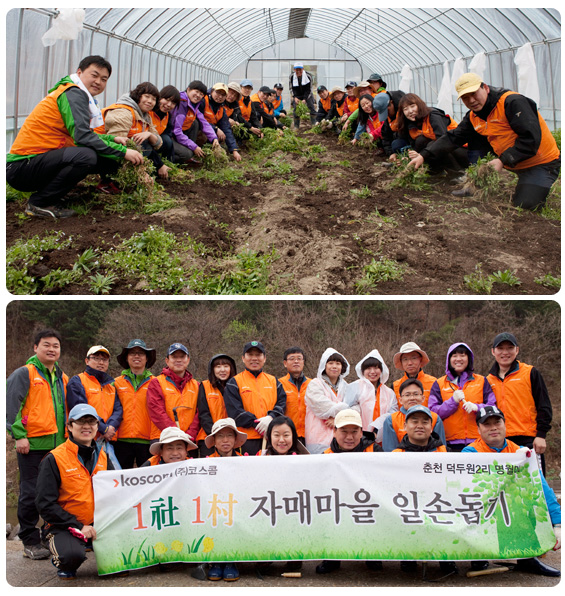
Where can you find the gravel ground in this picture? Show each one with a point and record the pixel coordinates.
(23, 572)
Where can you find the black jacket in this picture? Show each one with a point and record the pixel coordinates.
(432, 445)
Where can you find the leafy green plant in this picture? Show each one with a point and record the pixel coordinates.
(365, 141)
(301, 111)
(86, 261)
(361, 193)
(557, 136)
(214, 156)
(478, 281)
(16, 195)
(376, 272)
(549, 281)
(240, 131)
(102, 284)
(406, 176)
(484, 179)
(506, 277)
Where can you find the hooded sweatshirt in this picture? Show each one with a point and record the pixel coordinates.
(362, 396)
(323, 401)
(441, 394)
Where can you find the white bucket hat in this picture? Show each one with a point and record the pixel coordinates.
(240, 437)
(169, 435)
(406, 349)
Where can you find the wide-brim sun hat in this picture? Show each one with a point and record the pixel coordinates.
(240, 437)
(169, 435)
(407, 348)
(122, 358)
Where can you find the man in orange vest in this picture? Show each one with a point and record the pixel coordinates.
(411, 359)
(65, 496)
(253, 398)
(522, 394)
(420, 435)
(35, 416)
(295, 383)
(56, 147)
(172, 396)
(516, 132)
(411, 394)
(491, 423)
(96, 387)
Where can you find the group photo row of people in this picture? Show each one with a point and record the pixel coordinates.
(139, 419)
(68, 136)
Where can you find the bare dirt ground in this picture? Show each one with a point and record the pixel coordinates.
(323, 235)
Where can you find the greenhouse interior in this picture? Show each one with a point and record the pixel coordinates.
(418, 50)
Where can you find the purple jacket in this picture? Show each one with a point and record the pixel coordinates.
(444, 409)
(178, 116)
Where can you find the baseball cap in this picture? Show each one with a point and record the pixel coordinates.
(298, 65)
(351, 84)
(468, 83)
(375, 77)
(175, 347)
(246, 83)
(95, 349)
(220, 87)
(345, 417)
(486, 412)
(321, 88)
(265, 89)
(505, 336)
(253, 344)
(419, 408)
(82, 410)
(279, 86)
(235, 86)
(380, 104)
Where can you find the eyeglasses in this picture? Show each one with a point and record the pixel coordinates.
(295, 359)
(412, 395)
(82, 422)
(99, 358)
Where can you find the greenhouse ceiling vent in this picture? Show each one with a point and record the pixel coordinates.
(297, 22)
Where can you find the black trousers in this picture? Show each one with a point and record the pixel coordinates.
(525, 441)
(28, 516)
(69, 552)
(182, 153)
(129, 453)
(53, 174)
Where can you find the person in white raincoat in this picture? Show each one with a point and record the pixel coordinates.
(324, 398)
(369, 395)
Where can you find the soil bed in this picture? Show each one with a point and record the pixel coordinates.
(320, 235)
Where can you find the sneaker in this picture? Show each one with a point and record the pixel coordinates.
(48, 212)
(479, 565)
(462, 192)
(215, 573)
(108, 188)
(231, 573)
(36, 552)
(66, 574)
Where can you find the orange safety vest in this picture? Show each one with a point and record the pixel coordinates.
(426, 380)
(255, 98)
(326, 103)
(277, 102)
(175, 399)
(137, 125)
(216, 405)
(500, 135)
(440, 449)
(340, 108)
(393, 123)
(245, 109)
(398, 420)
(160, 124)
(136, 423)
(100, 398)
(427, 129)
(352, 103)
(211, 116)
(295, 405)
(369, 449)
(482, 447)
(216, 454)
(461, 425)
(38, 407)
(515, 391)
(76, 495)
(155, 460)
(258, 395)
(44, 129)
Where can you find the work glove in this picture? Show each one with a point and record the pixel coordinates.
(470, 407)
(263, 424)
(525, 451)
(458, 395)
(557, 532)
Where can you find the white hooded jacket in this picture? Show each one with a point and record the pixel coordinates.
(361, 396)
(322, 403)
